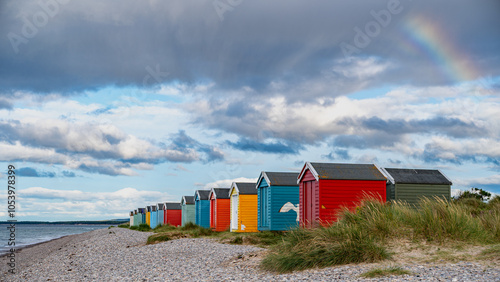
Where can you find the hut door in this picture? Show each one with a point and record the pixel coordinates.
(212, 213)
(309, 203)
(234, 212)
(264, 207)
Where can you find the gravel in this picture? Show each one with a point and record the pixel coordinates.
(120, 254)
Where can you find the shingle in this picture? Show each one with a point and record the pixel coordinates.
(246, 188)
(282, 178)
(221, 193)
(418, 176)
(173, 206)
(348, 171)
(203, 194)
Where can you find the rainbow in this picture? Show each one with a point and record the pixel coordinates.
(424, 36)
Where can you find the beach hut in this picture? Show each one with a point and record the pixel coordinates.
(202, 208)
(136, 218)
(411, 185)
(160, 207)
(243, 203)
(327, 187)
(219, 209)
(278, 201)
(188, 210)
(154, 216)
(148, 215)
(173, 214)
(131, 214)
(141, 216)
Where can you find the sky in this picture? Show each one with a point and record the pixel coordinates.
(107, 106)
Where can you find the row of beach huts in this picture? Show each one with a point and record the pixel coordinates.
(280, 201)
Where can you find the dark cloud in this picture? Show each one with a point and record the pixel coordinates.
(338, 154)
(67, 173)
(183, 143)
(31, 172)
(276, 147)
(86, 45)
(371, 140)
(4, 104)
(446, 126)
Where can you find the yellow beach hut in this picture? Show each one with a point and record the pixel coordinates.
(243, 207)
(148, 215)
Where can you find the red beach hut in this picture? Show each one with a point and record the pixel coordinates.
(326, 187)
(219, 209)
(173, 214)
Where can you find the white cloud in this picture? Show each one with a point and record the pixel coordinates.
(53, 203)
(226, 183)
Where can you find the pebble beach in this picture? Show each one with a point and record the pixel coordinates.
(119, 254)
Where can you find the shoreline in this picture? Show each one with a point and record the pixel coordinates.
(18, 249)
(37, 253)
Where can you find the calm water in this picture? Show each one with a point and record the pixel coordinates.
(28, 234)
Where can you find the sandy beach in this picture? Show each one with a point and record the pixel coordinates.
(119, 254)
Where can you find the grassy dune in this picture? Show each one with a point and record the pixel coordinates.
(367, 234)
(362, 235)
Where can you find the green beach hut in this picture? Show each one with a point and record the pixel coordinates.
(411, 185)
(188, 210)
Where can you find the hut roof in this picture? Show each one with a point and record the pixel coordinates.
(188, 200)
(203, 194)
(417, 176)
(343, 171)
(160, 206)
(279, 178)
(244, 188)
(220, 193)
(153, 208)
(173, 206)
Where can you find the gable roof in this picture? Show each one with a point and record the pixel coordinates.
(417, 176)
(278, 178)
(342, 171)
(153, 208)
(173, 206)
(187, 200)
(243, 188)
(160, 206)
(220, 193)
(141, 210)
(202, 194)
(148, 208)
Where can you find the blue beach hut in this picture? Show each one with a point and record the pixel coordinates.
(278, 201)
(154, 216)
(160, 208)
(202, 208)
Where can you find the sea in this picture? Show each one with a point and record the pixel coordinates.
(29, 234)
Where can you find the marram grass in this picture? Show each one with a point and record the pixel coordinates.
(361, 235)
(382, 272)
